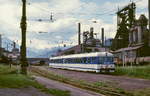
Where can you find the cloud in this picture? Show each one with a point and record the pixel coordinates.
(142, 4)
(66, 14)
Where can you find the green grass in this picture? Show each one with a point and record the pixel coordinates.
(4, 69)
(10, 79)
(136, 71)
(143, 92)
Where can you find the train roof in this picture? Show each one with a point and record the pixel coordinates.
(94, 54)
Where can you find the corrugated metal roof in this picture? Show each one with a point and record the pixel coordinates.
(127, 49)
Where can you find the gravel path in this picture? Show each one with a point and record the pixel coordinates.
(58, 85)
(21, 92)
(126, 83)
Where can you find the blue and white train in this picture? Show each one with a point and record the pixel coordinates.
(97, 62)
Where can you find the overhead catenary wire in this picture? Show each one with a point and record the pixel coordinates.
(109, 13)
(47, 11)
(72, 13)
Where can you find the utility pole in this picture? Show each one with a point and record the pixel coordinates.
(23, 59)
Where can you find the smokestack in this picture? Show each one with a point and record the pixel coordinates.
(102, 37)
(91, 32)
(14, 45)
(0, 45)
(0, 41)
(79, 33)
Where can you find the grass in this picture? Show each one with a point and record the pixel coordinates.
(135, 71)
(143, 92)
(5, 69)
(10, 79)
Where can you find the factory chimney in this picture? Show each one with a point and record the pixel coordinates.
(14, 43)
(0, 41)
(0, 45)
(102, 37)
(91, 32)
(79, 33)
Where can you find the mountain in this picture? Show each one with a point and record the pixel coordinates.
(46, 53)
(32, 52)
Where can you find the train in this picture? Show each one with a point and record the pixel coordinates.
(94, 62)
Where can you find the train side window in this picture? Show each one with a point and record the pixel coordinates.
(93, 61)
(101, 60)
(80, 60)
(64, 60)
(89, 60)
(57, 60)
(84, 60)
(73, 61)
(61, 60)
(76, 60)
(68, 60)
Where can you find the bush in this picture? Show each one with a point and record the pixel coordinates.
(4, 59)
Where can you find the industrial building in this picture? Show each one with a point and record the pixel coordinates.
(14, 54)
(131, 44)
(89, 44)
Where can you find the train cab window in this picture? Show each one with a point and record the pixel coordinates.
(107, 60)
(110, 59)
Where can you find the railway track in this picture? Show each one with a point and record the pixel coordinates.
(102, 90)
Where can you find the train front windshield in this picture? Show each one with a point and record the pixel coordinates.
(106, 60)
